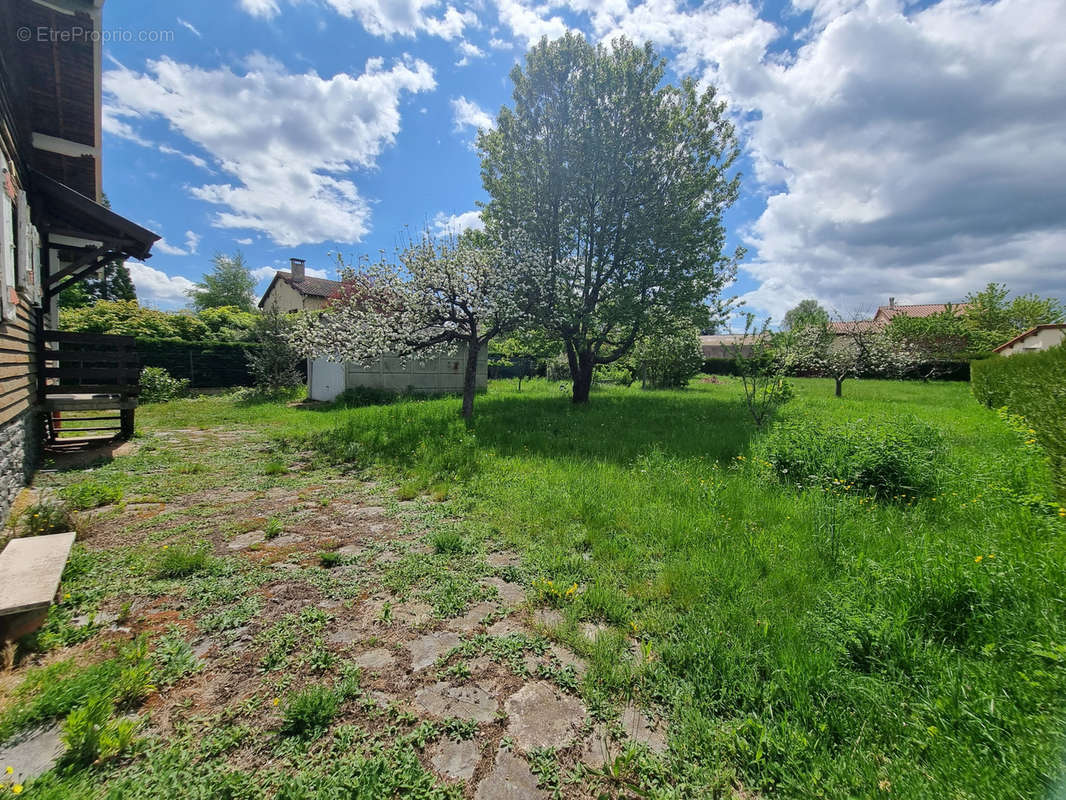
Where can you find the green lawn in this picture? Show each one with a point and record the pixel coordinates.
(802, 642)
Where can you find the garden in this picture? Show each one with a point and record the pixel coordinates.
(644, 596)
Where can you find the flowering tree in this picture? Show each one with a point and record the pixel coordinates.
(848, 349)
(442, 295)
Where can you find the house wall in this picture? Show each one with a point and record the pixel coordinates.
(286, 299)
(1041, 340)
(437, 375)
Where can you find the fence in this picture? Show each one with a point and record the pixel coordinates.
(206, 364)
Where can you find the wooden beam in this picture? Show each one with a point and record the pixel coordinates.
(89, 259)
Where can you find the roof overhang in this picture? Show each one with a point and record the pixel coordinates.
(75, 222)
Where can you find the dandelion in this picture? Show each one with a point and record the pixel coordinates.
(571, 590)
(16, 789)
(991, 555)
(276, 701)
(9, 770)
(978, 559)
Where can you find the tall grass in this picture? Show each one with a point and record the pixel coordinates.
(812, 641)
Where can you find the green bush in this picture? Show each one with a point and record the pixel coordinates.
(902, 457)
(310, 711)
(1033, 386)
(89, 494)
(668, 360)
(158, 386)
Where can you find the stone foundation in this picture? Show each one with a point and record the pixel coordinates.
(20, 448)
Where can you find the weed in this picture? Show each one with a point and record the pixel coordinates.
(91, 733)
(273, 529)
(448, 542)
(41, 519)
(274, 467)
(330, 558)
(408, 491)
(89, 494)
(310, 711)
(180, 561)
(173, 658)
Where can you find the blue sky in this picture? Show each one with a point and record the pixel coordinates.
(916, 151)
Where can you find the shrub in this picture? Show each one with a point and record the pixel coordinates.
(273, 364)
(1033, 386)
(89, 494)
(159, 386)
(888, 459)
(180, 562)
(668, 360)
(43, 518)
(310, 711)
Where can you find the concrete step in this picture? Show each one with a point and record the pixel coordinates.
(30, 569)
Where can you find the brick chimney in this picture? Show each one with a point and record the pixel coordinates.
(891, 300)
(296, 266)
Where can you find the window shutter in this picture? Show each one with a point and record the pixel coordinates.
(7, 268)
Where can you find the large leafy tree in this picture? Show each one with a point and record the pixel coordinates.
(806, 312)
(439, 296)
(608, 186)
(228, 284)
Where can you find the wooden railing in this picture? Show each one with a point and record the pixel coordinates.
(82, 372)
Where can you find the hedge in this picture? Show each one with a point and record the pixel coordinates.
(204, 364)
(1033, 386)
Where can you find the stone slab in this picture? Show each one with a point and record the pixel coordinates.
(511, 594)
(466, 702)
(472, 618)
(30, 569)
(31, 754)
(426, 650)
(642, 729)
(376, 660)
(541, 715)
(245, 540)
(456, 760)
(510, 779)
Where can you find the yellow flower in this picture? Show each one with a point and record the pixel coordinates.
(977, 559)
(9, 770)
(16, 789)
(276, 700)
(166, 546)
(991, 555)
(66, 596)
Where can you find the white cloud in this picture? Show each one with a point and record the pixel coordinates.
(261, 8)
(529, 22)
(155, 287)
(468, 114)
(445, 224)
(191, 27)
(267, 273)
(192, 159)
(245, 241)
(192, 242)
(387, 18)
(469, 53)
(309, 134)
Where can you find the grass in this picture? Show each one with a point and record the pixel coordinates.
(802, 640)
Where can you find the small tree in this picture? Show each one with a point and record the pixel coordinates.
(273, 364)
(761, 369)
(441, 295)
(228, 284)
(847, 349)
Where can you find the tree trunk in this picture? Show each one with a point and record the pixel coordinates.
(473, 349)
(582, 377)
(840, 386)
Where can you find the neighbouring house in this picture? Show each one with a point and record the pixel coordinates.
(296, 291)
(885, 314)
(1041, 337)
(724, 345)
(54, 233)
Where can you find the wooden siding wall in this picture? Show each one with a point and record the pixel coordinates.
(18, 363)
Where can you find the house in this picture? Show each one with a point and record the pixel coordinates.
(295, 291)
(1041, 337)
(54, 231)
(885, 315)
(724, 345)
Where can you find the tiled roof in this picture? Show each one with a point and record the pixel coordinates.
(311, 287)
(921, 310)
(858, 326)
